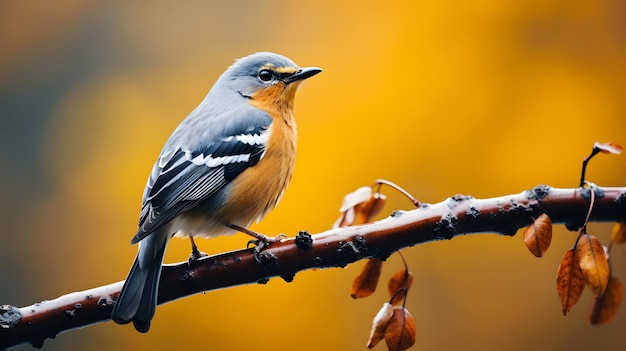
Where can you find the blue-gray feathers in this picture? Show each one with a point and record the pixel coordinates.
(219, 140)
(185, 176)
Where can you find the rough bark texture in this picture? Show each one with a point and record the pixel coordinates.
(457, 215)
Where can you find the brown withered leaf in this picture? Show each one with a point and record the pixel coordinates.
(603, 309)
(359, 207)
(375, 206)
(351, 200)
(379, 324)
(403, 279)
(538, 235)
(400, 331)
(365, 283)
(619, 233)
(570, 281)
(608, 147)
(592, 259)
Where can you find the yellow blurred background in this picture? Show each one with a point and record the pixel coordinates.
(442, 97)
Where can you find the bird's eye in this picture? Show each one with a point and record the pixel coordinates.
(265, 75)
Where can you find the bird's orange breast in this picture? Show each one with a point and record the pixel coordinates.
(257, 190)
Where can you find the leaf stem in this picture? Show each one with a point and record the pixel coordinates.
(380, 182)
(583, 229)
(586, 160)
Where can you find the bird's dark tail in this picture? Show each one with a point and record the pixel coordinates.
(138, 298)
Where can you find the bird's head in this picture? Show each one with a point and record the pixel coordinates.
(267, 78)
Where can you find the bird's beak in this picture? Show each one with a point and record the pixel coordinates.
(302, 73)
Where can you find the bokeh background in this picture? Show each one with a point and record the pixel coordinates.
(442, 97)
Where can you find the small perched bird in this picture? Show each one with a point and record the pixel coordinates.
(225, 166)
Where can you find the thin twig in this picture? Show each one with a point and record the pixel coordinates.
(395, 186)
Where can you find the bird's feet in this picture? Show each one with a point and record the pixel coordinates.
(260, 241)
(195, 253)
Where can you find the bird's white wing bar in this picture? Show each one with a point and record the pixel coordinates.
(184, 178)
(213, 162)
(253, 139)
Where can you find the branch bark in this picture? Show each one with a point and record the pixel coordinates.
(457, 215)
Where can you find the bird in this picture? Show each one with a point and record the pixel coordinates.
(225, 166)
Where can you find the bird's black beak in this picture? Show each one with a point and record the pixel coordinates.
(302, 73)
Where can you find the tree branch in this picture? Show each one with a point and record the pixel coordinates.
(457, 215)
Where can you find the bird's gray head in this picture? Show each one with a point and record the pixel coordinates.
(262, 70)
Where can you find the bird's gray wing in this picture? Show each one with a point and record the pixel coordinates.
(184, 177)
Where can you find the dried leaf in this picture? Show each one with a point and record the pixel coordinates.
(359, 207)
(365, 211)
(379, 325)
(538, 235)
(403, 279)
(352, 199)
(609, 147)
(570, 281)
(400, 331)
(365, 283)
(619, 233)
(603, 309)
(345, 219)
(592, 259)
(375, 206)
